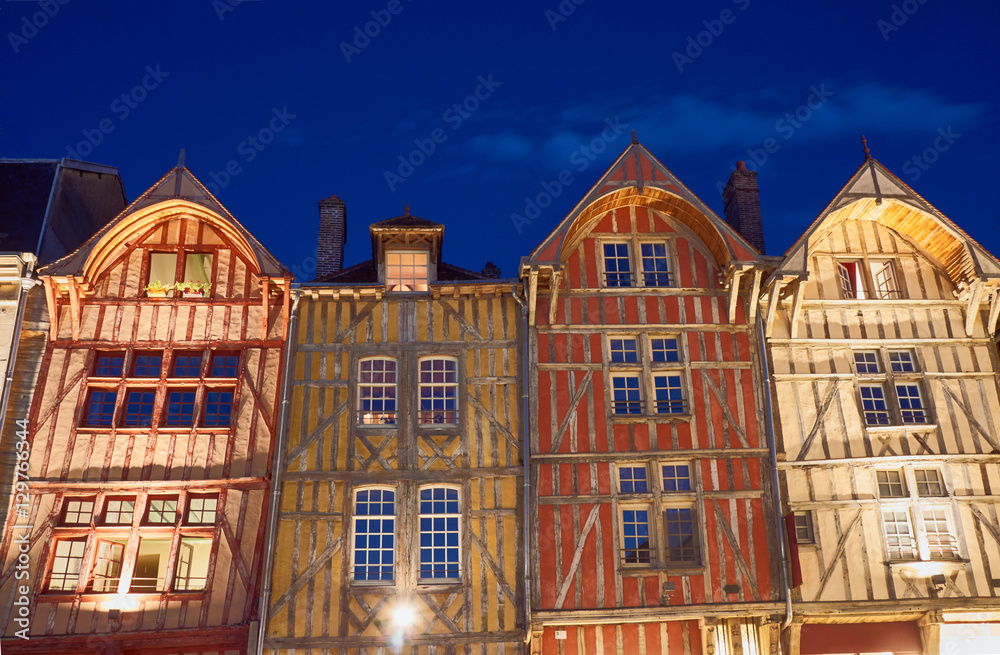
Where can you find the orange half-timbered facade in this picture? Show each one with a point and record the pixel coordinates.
(652, 518)
(150, 436)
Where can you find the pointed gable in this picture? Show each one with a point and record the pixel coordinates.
(874, 193)
(177, 193)
(638, 178)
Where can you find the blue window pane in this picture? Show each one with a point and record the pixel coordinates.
(374, 539)
(109, 365)
(100, 408)
(147, 366)
(139, 409)
(224, 365)
(218, 408)
(180, 409)
(439, 533)
(187, 365)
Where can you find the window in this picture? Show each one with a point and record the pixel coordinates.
(193, 555)
(406, 270)
(866, 362)
(224, 365)
(655, 269)
(163, 268)
(676, 477)
(377, 391)
(668, 394)
(678, 530)
(911, 406)
(150, 574)
(119, 511)
(139, 408)
(625, 395)
(890, 484)
(198, 267)
(873, 404)
(636, 546)
(162, 510)
(180, 408)
(108, 565)
(617, 267)
(665, 350)
(100, 408)
(67, 564)
(624, 351)
(915, 514)
(804, 528)
(850, 281)
(187, 365)
(201, 510)
(218, 409)
(885, 280)
(147, 365)
(632, 480)
(374, 535)
(439, 539)
(77, 511)
(899, 541)
(901, 361)
(929, 482)
(438, 390)
(109, 364)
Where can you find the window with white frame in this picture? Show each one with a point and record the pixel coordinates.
(632, 479)
(438, 390)
(624, 350)
(676, 477)
(911, 404)
(151, 563)
(377, 391)
(440, 520)
(374, 535)
(406, 270)
(655, 264)
(890, 392)
(902, 361)
(868, 279)
(636, 536)
(866, 362)
(668, 394)
(626, 394)
(884, 278)
(617, 265)
(873, 404)
(911, 498)
(665, 349)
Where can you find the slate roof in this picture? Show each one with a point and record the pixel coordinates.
(367, 273)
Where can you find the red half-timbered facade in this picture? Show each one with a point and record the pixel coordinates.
(652, 516)
(139, 518)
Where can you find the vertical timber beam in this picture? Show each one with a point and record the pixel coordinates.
(755, 294)
(554, 294)
(772, 305)
(797, 307)
(532, 295)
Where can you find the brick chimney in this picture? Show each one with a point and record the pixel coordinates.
(332, 236)
(490, 270)
(742, 204)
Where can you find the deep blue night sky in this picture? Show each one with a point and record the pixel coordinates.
(904, 73)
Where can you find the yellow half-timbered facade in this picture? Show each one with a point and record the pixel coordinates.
(400, 472)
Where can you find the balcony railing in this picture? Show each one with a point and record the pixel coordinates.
(638, 279)
(637, 556)
(376, 417)
(437, 417)
(675, 406)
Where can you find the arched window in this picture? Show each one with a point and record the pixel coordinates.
(440, 519)
(438, 390)
(376, 390)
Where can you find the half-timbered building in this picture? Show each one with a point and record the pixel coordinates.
(400, 467)
(884, 381)
(149, 439)
(653, 526)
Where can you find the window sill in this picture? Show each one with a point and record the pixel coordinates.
(633, 570)
(451, 584)
(915, 427)
(925, 568)
(642, 418)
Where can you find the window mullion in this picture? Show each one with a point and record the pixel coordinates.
(916, 515)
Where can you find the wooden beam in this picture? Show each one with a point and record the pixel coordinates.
(772, 305)
(972, 310)
(994, 312)
(554, 294)
(577, 555)
(838, 553)
(50, 300)
(265, 291)
(797, 307)
(532, 295)
(74, 303)
(755, 293)
(734, 293)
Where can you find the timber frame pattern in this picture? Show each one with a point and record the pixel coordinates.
(329, 453)
(593, 591)
(132, 456)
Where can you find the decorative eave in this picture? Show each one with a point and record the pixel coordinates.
(376, 292)
(874, 193)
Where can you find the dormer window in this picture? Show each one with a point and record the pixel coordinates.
(406, 270)
(186, 274)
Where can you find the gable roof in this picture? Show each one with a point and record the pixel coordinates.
(180, 186)
(874, 193)
(637, 177)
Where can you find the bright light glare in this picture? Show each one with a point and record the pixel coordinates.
(404, 614)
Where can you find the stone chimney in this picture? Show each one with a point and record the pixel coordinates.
(742, 205)
(332, 236)
(490, 270)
